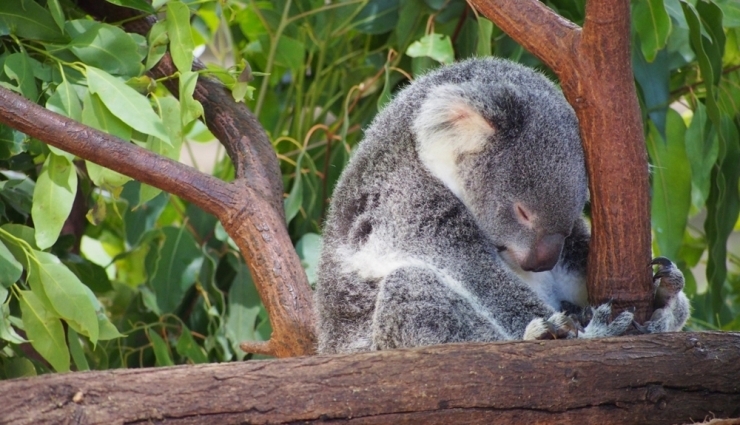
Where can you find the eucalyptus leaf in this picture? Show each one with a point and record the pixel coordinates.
(75, 348)
(106, 47)
(10, 268)
(53, 197)
(67, 295)
(27, 19)
(243, 308)
(650, 19)
(125, 103)
(181, 39)
(671, 185)
(18, 68)
(44, 330)
(435, 46)
(191, 109)
(7, 333)
(161, 350)
(187, 347)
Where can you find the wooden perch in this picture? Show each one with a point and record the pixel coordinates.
(595, 72)
(655, 379)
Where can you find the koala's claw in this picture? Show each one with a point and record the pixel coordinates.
(601, 324)
(558, 326)
(668, 280)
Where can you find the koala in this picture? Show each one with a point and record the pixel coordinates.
(459, 218)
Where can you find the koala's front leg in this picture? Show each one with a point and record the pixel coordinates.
(671, 305)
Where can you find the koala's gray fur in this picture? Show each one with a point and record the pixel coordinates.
(472, 175)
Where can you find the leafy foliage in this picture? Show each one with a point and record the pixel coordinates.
(98, 271)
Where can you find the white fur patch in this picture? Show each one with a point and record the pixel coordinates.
(556, 285)
(376, 260)
(447, 127)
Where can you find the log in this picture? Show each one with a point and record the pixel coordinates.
(655, 379)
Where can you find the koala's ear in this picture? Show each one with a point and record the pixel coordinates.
(448, 126)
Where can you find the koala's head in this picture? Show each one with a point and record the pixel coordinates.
(504, 140)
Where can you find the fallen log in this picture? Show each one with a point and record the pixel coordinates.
(655, 379)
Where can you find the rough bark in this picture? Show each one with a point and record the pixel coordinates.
(655, 379)
(595, 72)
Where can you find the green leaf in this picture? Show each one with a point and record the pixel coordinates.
(10, 268)
(181, 39)
(292, 204)
(485, 29)
(157, 41)
(243, 308)
(731, 11)
(435, 46)
(177, 263)
(125, 103)
(161, 350)
(309, 251)
(7, 333)
(75, 348)
(27, 19)
(651, 21)
(65, 101)
(67, 295)
(45, 331)
(377, 17)
(141, 5)
(18, 367)
(11, 142)
(56, 12)
(653, 79)
(18, 68)
(191, 109)
(290, 53)
(53, 197)
(702, 148)
(187, 347)
(723, 207)
(671, 185)
(106, 47)
(96, 115)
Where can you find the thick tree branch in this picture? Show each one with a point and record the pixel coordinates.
(203, 190)
(536, 27)
(595, 72)
(655, 379)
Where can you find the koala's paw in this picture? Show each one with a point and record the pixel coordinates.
(601, 324)
(671, 305)
(558, 326)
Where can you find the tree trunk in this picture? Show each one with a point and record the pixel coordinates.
(655, 379)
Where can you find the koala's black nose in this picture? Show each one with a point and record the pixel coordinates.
(545, 253)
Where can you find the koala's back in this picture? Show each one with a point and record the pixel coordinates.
(391, 220)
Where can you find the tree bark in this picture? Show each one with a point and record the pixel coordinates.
(655, 379)
(595, 72)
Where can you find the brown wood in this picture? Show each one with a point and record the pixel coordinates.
(652, 379)
(595, 72)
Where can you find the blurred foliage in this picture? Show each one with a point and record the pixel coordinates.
(98, 271)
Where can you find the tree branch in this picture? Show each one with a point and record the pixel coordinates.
(656, 379)
(203, 190)
(537, 28)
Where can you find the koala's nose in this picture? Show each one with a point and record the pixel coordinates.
(545, 253)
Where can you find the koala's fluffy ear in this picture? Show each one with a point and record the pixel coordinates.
(446, 127)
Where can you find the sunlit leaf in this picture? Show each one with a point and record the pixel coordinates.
(106, 47)
(125, 103)
(161, 350)
(181, 39)
(67, 295)
(53, 197)
(435, 46)
(45, 331)
(651, 21)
